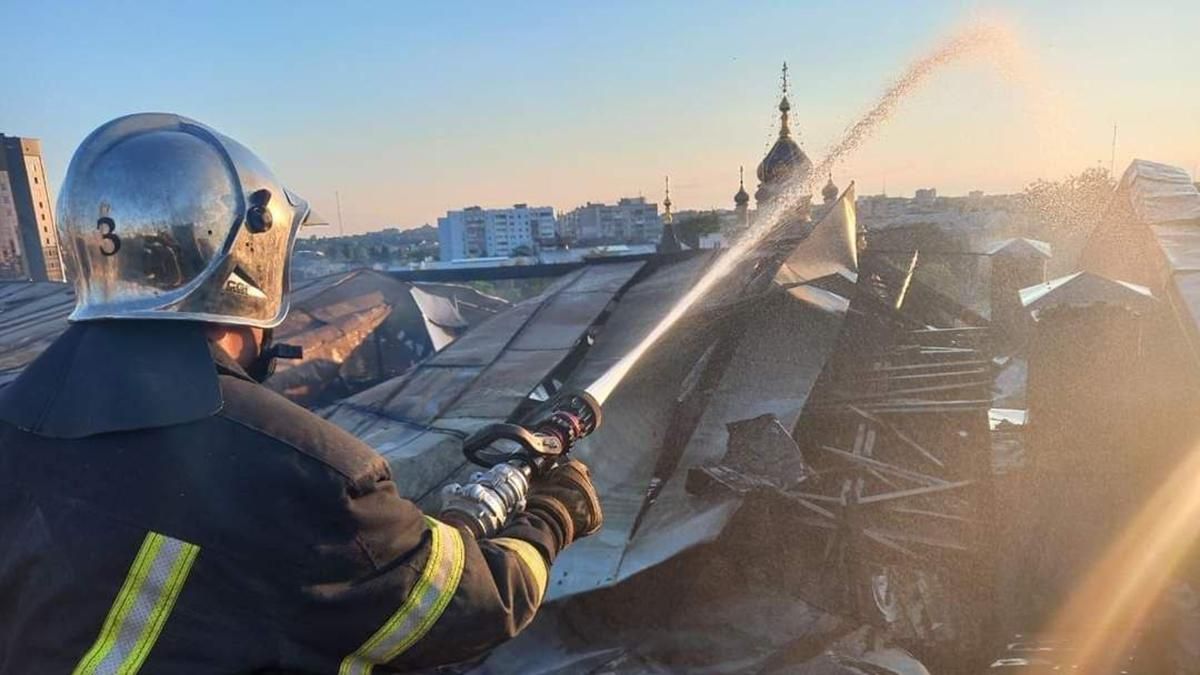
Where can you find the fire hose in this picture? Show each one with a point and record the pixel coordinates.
(513, 456)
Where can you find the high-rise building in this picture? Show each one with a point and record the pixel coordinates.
(28, 239)
(476, 232)
(630, 221)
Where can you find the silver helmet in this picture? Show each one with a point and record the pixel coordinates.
(162, 217)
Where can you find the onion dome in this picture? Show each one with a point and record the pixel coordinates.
(830, 191)
(785, 160)
(742, 198)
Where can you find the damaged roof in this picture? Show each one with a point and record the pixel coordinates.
(1161, 193)
(751, 348)
(356, 327)
(1084, 289)
(362, 327)
(710, 560)
(1150, 236)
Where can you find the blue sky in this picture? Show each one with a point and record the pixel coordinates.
(408, 109)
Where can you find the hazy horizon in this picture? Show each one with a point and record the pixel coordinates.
(410, 110)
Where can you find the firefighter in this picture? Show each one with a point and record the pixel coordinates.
(161, 511)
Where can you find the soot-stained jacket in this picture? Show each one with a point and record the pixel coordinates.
(162, 512)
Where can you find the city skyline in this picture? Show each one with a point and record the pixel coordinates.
(410, 112)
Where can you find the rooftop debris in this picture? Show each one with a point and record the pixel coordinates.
(795, 428)
(1083, 289)
(362, 327)
(844, 459)
(1020, 247)
(357, 328)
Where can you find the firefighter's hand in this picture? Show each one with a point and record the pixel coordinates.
(566, 494)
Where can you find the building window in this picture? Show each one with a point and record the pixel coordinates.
(35, 180)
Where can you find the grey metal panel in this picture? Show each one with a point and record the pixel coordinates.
(561, 322)
(623, 454)
(32, 315)
(499, 389)
(564, 318)
(1161, 193)
(483, 344)
(427, 393)
(1082, 289)
(438, 309)
(1020, 247)
(422, 417)
(1181, 244)
(772, 371)
(608, 279)
(1187, 287)
(831, 247)
(640, 309)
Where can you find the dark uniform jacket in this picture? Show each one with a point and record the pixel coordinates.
(162, 512)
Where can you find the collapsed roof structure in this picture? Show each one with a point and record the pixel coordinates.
(357, 328)
(362, 327)
(1150, 238)
(804, 387)
(1113, 383)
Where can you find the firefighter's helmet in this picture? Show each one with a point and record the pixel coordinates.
(162, 217)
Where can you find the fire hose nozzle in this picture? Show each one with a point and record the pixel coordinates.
(513, 456)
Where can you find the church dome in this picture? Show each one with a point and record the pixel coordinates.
(785, 160)
(741, 198)
(830, 191)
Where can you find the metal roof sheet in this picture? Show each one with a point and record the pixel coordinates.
(1083, 289)
(1020, 247)
(1161, 193)
(419, 420)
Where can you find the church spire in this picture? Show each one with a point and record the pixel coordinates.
(830, 192)
(741, 198)
(667, 217)
(784, 106)
(669, 243)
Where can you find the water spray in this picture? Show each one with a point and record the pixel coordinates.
(513, 455)
(984, 38)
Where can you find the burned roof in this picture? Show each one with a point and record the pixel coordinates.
(362, 327)
(710, 560)
(357, 327)
(751, 348)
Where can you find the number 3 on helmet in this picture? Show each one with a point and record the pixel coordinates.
(161, 217)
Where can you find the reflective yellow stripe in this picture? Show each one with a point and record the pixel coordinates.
(533, 560)
(141, 608)
(423, 607)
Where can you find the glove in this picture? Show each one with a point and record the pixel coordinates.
(566, 496)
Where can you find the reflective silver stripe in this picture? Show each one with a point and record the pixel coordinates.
(141, 608)
(423, 607)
